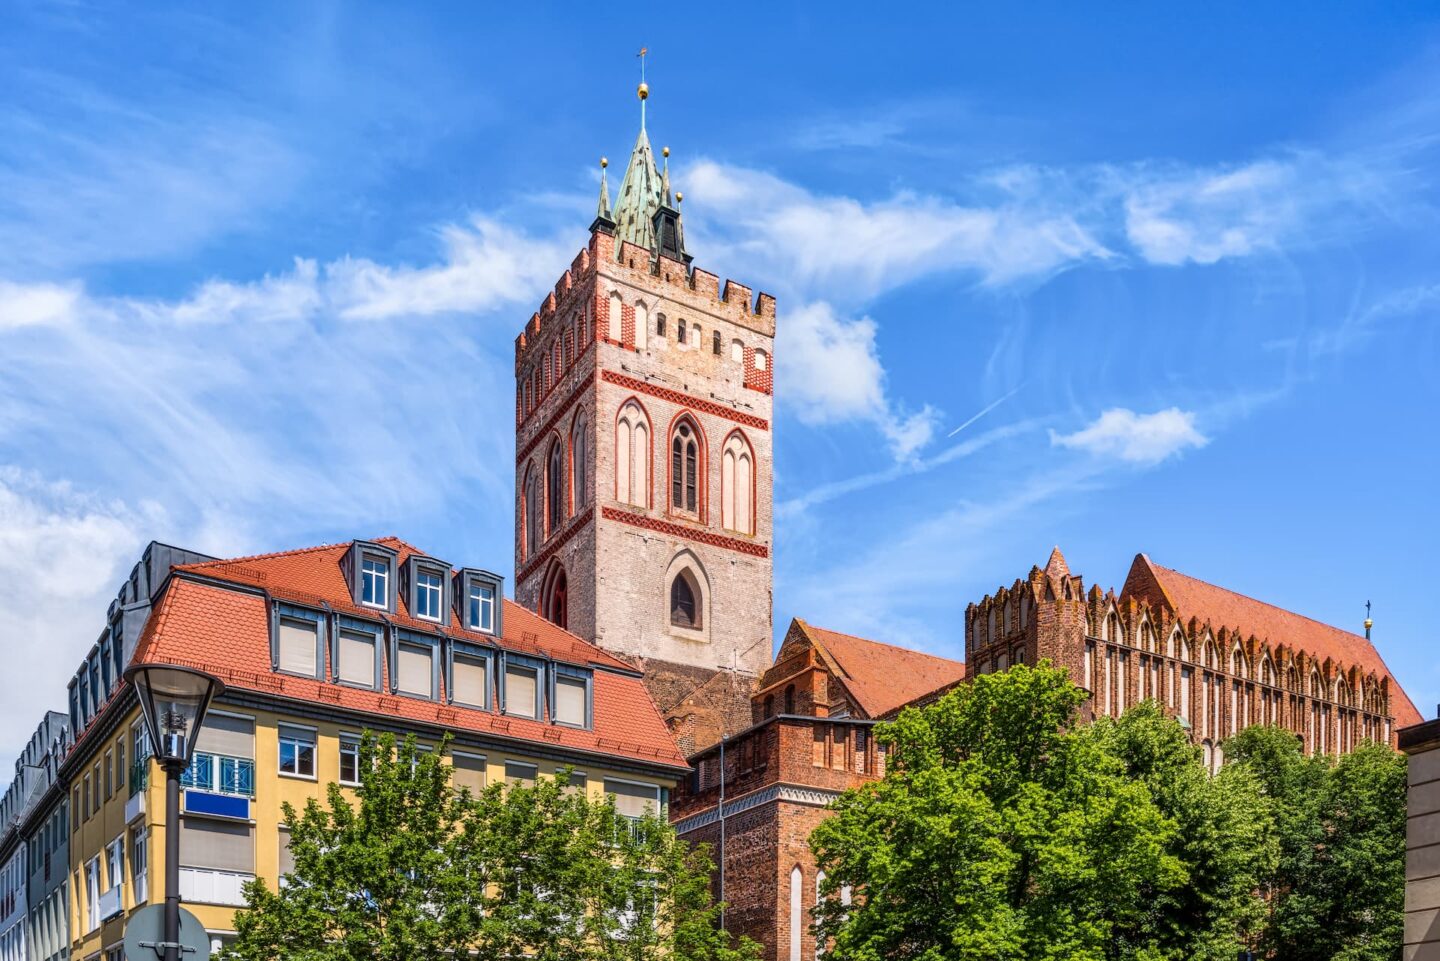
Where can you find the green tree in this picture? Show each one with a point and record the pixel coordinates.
(1224, 838)
(412, 871)
(1338, 888)
(1000, 831)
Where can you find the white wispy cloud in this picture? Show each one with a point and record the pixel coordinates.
(62, 556)
(832, 374)
(271, 400)
(1135, 438)
(23, 305)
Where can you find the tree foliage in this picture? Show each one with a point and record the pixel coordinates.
(1006, 829)
(411, 870)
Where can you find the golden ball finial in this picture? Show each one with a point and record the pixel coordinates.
(1369, 623)
(604, 162)
(643, 91)
(665, 151)
(679, 197)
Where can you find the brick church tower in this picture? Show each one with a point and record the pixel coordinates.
(643, 458)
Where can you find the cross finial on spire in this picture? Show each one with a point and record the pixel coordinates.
(644, 89)
(603, 213)
(1368, 622)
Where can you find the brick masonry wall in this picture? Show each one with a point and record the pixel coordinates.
(579, 355)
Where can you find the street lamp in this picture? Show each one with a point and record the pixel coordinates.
(174, 701)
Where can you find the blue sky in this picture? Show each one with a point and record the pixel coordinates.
(1155, 280)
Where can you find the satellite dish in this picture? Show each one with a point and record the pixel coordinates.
(146, 929)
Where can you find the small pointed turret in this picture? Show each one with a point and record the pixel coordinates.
(665, 178)
(1056, 566)
(603, 210)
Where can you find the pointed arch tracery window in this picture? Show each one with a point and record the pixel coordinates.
(685, 468)
(555, 596)
(737, 485)
(530, 509)
(554, 487)
(579, 462)
(632, 455)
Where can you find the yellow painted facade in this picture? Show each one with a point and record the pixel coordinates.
(96, 828)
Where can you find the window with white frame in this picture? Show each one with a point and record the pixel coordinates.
(349, 759)
(115, 862)
(92, 893)
(297, 751)
(355, 658)
(414, 669)
(139, 864)
(482, 607)
(375, 582)
(522, 690)
(429, 591)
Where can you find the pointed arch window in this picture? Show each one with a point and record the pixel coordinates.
(715, 343)
(737, 485)
(554, 487)
(632, 456)
(685, 607)
(642, 327)
(617, 316)
(737, 351)
(685, 469)
(579, 462)
(530, 509)
(680, 331)
(555, 596)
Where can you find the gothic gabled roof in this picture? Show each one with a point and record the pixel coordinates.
(639, 197)
(881, 677)
(1188, 597)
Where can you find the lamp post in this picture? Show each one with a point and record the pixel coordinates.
(174, 701)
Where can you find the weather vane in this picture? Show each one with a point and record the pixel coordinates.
(643, 92)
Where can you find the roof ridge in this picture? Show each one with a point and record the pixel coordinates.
(896, 647)
(1256, 600)
(294, 551)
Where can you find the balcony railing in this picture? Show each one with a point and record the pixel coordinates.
(110, 904)
(139, 776)
(220, 775)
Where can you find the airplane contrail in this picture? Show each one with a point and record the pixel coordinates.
(987, 409)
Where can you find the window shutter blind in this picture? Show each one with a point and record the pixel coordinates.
(297, 646)
(357, 658)
(520, 691)
(413, 674)
(469, 772)
(217, 845)
(470, 681)
(229, 736)
(287, 860)
(634, 800)
(570, 700)
(519, 773)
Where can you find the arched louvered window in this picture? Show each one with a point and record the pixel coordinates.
(685, 469)
(580, 462)
(555, 487)
(715, 343)
(685, 607)
(530, 509)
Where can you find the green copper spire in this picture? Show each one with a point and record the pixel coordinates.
(602, 212)
(639, 196)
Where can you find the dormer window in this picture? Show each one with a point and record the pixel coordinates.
(428, 594)
(482, 607)
(478, 600)
(423, 584)
(375, 582)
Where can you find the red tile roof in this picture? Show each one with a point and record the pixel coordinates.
(226, 631)
(1188, 597)
(882, 677)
